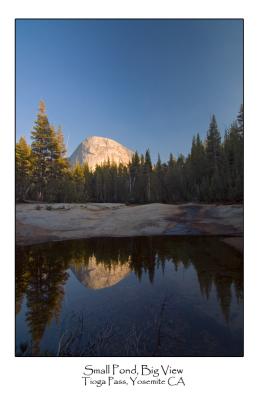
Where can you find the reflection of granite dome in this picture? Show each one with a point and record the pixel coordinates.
(98, 275)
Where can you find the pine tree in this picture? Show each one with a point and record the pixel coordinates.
(213, 153)
(213, 149)
(134, 176)
(58, 166)
(23, 168)
(48, 152)
(197, 168)
(61, 144)
(158, 181)
(240, 121)
(147, 170)
(169, 180)
(233, 163)
(88, 193)
(78, 187)
(42, 143)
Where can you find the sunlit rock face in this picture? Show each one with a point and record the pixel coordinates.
(99, 275)
(95, 150)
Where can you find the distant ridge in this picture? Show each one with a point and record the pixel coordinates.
(95, 150)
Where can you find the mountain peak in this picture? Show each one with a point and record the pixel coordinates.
(95, 150)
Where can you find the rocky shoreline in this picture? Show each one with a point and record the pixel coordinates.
(38, 223)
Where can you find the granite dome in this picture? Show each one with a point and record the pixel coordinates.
(95, 150)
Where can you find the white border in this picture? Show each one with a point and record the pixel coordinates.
(205, 377)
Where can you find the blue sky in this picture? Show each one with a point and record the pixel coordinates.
(145, 83)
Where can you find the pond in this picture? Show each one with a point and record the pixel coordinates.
(142, 296)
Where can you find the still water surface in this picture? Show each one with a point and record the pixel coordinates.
(149, 296)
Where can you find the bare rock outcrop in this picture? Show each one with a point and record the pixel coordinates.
(96, 150)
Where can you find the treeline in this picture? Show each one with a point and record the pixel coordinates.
(212, 172)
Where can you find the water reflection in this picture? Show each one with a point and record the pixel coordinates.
(98, 275)
(43, 270)
(40, 275)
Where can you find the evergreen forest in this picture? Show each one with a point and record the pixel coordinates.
(212, 172)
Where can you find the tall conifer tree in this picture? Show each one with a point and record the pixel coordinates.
(23, 168)
(42, 144)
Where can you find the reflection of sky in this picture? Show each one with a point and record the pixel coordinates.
(21, 326)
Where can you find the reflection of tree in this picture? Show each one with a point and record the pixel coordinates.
(45, 277)
(21, 278)
(143, 257)
(41, 270)
(217, 264)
